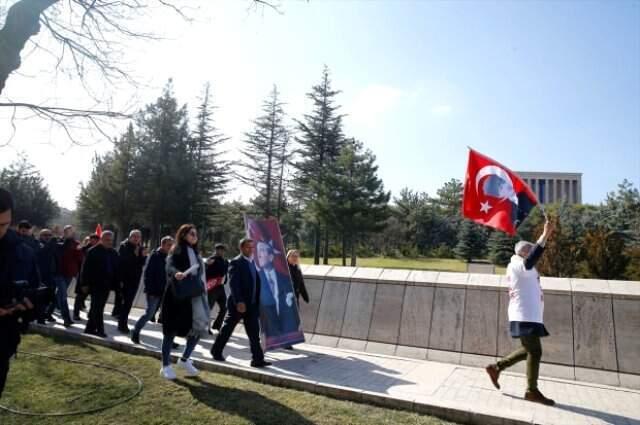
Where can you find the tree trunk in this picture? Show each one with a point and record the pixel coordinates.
(325, 259)
(22, 22)
(344, 249)
(353, 252)
(316, 244)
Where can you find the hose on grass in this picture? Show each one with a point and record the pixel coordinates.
(86, 411)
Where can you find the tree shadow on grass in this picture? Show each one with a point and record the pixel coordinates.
(250, 405)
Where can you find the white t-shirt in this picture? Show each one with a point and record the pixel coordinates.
(526, 302)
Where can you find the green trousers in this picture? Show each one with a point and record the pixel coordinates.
(532, 351)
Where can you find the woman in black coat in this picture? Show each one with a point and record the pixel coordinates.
(178, 314)
(293, 260)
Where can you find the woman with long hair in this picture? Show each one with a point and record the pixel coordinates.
(184, 313)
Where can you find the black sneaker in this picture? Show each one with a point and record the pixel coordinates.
(260, 364)
(135, 338)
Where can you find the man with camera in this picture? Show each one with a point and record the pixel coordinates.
(18, 278)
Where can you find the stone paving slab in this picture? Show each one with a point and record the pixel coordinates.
(450, 391)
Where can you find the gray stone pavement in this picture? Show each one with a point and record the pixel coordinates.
(453, 392)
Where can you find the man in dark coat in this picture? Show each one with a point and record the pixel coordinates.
(216, 272)
(82, 290)
(243, 303)
(132, 259)
(277, 299)
(17, 265)
(155, 281)
(100, 273)
(48, 257)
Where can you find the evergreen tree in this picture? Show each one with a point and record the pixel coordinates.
(500, 248)
(166, 164)
(320, 140)
(211, 171)
(604, 250)
(358, 203)
(265, 156)
(33, 201)
(470, 241)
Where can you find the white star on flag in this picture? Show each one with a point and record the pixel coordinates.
(485, 207)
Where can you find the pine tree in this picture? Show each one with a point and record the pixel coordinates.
(265, 156)
(358, 203)
(211, 171)
(166, 164)
(500, 247)
(320, 140)
(470, 241)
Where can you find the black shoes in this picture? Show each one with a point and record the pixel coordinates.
(218, 357)
(124, 330)
(536, 396)
(260, 364)
(175, 346)
(67, 323)
(100, 334)
(135, 338)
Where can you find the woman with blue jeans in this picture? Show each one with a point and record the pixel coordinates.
(155, 280)
(184, 317)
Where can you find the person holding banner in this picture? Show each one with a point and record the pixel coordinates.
(526, 307)
(243, 303)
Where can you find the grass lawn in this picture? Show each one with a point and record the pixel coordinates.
(438, 264)
(44, 385)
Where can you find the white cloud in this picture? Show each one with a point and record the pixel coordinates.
(371, 104)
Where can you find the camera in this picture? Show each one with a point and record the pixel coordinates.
(19, 290)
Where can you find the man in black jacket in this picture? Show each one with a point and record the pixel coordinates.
(17, 266)
(243, 303)
(49, 259)
(155, 280)
(100, 273)
(216, 273)
(132, 259)
(82, 290)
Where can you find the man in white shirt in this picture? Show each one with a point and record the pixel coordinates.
(526, 308)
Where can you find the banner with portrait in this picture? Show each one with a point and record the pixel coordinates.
(279, 317)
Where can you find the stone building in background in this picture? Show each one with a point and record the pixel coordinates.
(551, 188)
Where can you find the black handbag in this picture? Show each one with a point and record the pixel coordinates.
(189, 287)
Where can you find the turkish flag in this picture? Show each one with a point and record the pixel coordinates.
(99, 230)
(494, 195)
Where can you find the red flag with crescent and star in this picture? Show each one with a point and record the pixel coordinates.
(494, 195)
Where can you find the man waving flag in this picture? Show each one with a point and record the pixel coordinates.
(494, 195)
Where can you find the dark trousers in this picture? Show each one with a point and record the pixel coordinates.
(218, 296)
(117, 302)
(4, 371)
(128, 295)
(95, 324)
(81, 297)
(531, 350)
(251, 326)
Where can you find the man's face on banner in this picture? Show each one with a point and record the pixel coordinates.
(265, 256)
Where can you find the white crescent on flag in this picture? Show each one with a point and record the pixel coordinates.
(507, 191)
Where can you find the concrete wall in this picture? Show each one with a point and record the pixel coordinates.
(462, 318)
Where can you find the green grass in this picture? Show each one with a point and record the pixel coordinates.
(44, 385)
(437, 264)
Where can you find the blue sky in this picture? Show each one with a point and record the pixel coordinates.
(539, 86)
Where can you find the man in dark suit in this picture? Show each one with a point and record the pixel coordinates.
(100, 273)
(243, 303)
(277, 299)
(132, 260)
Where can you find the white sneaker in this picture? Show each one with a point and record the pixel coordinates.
(188, 367)
(167, 372)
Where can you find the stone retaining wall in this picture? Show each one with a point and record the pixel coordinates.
(462, 318)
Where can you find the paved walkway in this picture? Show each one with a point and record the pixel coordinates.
(453, 392)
